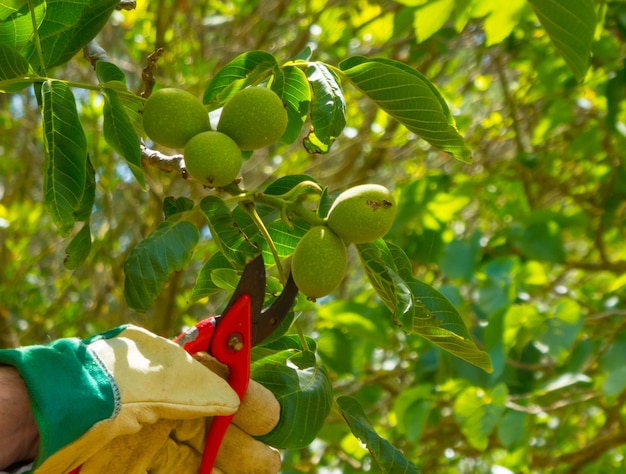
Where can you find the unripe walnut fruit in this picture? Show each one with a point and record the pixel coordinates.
(319, 262)
(171, 117)
(363, 213)
(212, 158)
(254, 118)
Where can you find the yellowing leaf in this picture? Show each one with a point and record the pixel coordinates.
(503, 18)
(431, 17)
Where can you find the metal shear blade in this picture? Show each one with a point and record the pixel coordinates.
(230, 337)
(252, 283)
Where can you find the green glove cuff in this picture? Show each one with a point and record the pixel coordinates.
(87, 395)
(70, 389)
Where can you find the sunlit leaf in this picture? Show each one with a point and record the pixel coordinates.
(244, 70)
(410, 98)
(12, 65)
(571, 25)
(67, 27)
(430, 17)
(66, 154)
(152, 262)
(16, 22)
(293, 88)
(388, 459)
(502, 19)
(328, 108)
(478, 412)
(418, 308)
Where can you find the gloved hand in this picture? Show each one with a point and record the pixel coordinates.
(130, 401)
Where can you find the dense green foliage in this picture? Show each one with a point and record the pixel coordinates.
(505, 156)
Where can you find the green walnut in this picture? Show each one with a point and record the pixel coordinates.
(254, 118)
(319, 262)
(363, 213)
(171, 117)
(213, 158)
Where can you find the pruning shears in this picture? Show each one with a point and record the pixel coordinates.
(230, 336)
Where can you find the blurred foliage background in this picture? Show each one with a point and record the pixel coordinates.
(527, 241)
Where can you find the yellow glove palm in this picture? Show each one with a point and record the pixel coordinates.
(130, 401)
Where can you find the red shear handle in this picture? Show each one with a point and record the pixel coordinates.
(230, 344)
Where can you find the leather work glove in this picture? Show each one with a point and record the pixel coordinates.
(129, 401)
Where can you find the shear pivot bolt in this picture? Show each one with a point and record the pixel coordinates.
(235, 341)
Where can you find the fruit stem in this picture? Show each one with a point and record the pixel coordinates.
(298, 210)
(298, 327)
(307, 187)
(250, 209)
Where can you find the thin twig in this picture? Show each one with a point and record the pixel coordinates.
(147, 74)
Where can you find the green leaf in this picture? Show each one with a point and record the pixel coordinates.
(120, 134)
(152, 262)
(172, 205)
(66, 28)
(285, 184)
(290, 342)
(412, 408)
(293, 88)
(109, 72)
(16, 22)
(304, 392)
(571, 25)
(328, 108)
(513, 429)
(285, 236)
(479, 411)
(437, 320)
(12, 64)
(85, 207)
(387, 458)
(78, 249)
(205, 286)
(229, 237)
(540, 239)
(66, 154)
(410, 98)
(246, 69)
(333, 346)
(418, 308)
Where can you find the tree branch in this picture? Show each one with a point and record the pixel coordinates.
(93, 53)
(126, 5)
(167, 163)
